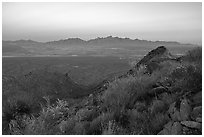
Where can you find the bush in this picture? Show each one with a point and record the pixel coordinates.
(123, 93)
(158, 121)
(112, 128)
(188, 78)
(194, 55)
(46, 123)
(17, 106)
(97, 124)
(138, 122)
(121, 96)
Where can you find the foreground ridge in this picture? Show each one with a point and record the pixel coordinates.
(160, 95)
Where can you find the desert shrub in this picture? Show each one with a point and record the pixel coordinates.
(145, 123)
(87, 114)
(97, 124)
(158, 106)
(188, 78)
(17, 106)
(123, 93)
(42, 83)
(194, 55)
(112, 128)
(67, 126)
(46, 123)
(138, 122)
(157, 122)
(182, 76)
(80, 128)
(168, 66)
(109, 129)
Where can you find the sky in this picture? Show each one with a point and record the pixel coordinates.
(43, 22)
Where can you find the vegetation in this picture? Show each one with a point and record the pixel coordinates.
(136, 104)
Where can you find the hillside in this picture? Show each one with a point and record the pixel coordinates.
(114, 46)
(161, 94)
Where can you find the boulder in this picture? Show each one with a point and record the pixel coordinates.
(167, 129)
(176, 129)
(152, 66)
(185, 110)
(158, 53)
(190, 131)
(199, 119)
(171, 128)
(192, 124)
(164, 132)
(181, 112)
(196, 113)
(174, 112)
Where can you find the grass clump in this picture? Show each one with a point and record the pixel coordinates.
(123, 93)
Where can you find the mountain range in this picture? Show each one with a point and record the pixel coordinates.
(106, 46)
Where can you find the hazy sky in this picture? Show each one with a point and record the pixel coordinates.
(151, 21)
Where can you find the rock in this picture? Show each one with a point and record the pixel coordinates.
(181, 114)
(164, 132)
(168, 125)
(174, 112)
(172, 108)
(159, 52)
(167, 129)
(185, 110)
(192, 124)
(171, 128)
(152, 66)
(199, 119)
(197, 112)
(158, 90)
(176, 129)
(191, 131)
(176, 116)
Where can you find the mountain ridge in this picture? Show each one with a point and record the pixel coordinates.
(99, 38)
(102, 46)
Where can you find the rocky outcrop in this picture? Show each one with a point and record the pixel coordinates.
(171, 128)
(192, 124)
(183, 120)
(152, 60)
(184, 113)
(156, 55)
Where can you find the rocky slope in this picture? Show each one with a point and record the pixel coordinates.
(183, 114)
(163, 100)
